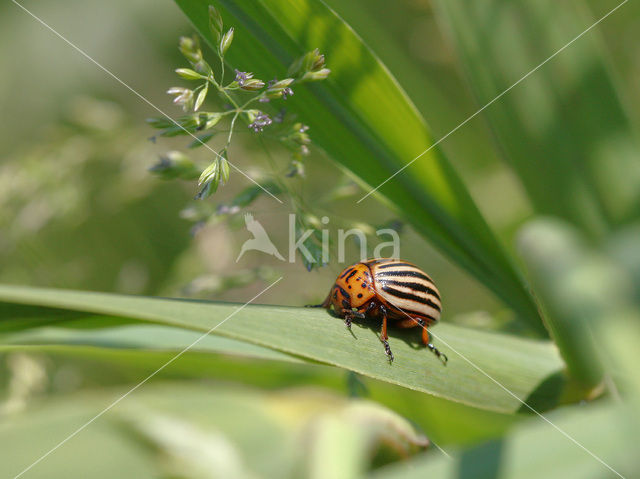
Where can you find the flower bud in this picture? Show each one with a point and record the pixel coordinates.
(188, 74)
(252, 84)
(190, 48)
(208, 181)
(316, 76)
(226, 40)
(215, 23)
(224, 169)
(201, 97)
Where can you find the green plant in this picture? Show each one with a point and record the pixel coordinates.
(561, 400)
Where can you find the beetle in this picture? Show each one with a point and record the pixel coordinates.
(393, 290)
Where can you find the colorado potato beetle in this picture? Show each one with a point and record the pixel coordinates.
(389, 289)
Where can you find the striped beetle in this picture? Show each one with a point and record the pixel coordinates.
(391, 289)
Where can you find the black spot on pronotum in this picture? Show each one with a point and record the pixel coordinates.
(346, 272)
(344, 292)
(350, 275)
(359, 295)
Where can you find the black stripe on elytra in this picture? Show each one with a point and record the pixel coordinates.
(413, 297)
(413, 273)
(409, 313)
(423, 288)
(352, 273)
(391, 265)
(347, 271)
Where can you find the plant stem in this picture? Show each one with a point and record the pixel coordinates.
(223, 92)
(231, 125)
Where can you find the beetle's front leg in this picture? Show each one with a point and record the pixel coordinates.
(350, 314)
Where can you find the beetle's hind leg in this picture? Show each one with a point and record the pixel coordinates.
(383, 334)
(426, 339)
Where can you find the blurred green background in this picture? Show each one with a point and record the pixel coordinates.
(79, 210)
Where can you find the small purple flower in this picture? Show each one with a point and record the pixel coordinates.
(287, 92)
(264, 99)
(303, 128)
(242, 77)
(260, 121)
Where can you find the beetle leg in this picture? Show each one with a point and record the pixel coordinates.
(441, 356)
(383, 334)
(426, 340)
(371, 306)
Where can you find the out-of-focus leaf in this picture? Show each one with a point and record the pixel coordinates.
(531, 370)
(537, 450)
(70, 367)
(576, 290)
(365, 122)
(584, 293)
(148, 337)
(564, 130)
(197, 431)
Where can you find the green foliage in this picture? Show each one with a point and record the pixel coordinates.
(239, 432)
(281, 391)
(530, 369)
(309, 67)
(366, 123)
(537, 449)
(572, 144)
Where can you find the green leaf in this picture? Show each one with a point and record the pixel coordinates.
(583, 292)
(564, 129)
(160, 122)
(145, 337)
(201, 140)
(189, 430)
(531, 370)
(537, 450)
(365, 122)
